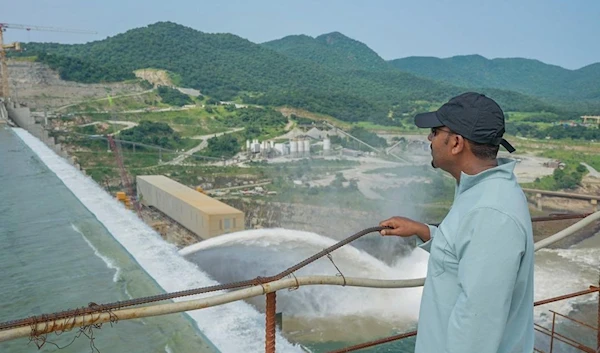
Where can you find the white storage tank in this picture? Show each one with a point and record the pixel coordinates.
(300, 147)
(280, 147)
(326, 145)
(293, 148)
(247, 145)
(307, 146)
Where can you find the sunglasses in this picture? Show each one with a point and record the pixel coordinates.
(436, 130)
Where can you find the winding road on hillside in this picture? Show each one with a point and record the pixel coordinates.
(179, 159)
(128, 124)
(103, 99)
(593, 172)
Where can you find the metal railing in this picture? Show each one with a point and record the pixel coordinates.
(97, 314)
(556, 337)
(551, 332)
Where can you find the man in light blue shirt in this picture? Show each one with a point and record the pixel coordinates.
(478, 295)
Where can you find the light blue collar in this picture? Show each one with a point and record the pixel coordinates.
(504, 170)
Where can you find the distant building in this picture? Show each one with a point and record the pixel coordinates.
(555, 164)
(199, 213)
(316, 134)
(591, 118)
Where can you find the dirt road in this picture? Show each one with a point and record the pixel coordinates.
(182, 157)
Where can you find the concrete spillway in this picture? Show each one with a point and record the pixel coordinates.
(21, 116)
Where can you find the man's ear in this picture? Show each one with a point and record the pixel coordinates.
(458, 144)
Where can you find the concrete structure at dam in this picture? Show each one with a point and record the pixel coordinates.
(199, 213)
(13, 113)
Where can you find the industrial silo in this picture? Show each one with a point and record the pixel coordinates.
(307, 147)
(326, 146)
(300, 147)
(293, 148)
(255, 147)
(280, 147)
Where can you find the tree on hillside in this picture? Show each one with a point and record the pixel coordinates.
(222, 146)
(152, 133)
(173, 97)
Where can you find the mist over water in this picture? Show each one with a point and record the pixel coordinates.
(563, 271)
(265, 252)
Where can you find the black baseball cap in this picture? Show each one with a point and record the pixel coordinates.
(471, 115)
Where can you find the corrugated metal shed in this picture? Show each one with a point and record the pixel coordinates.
(316, 133)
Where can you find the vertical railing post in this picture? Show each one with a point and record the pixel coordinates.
(598, 326)
(552, 332)
(270, 327)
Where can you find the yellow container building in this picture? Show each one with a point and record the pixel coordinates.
(200, 213)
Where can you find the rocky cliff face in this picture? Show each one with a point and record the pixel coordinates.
(38, 86)
(155, 77)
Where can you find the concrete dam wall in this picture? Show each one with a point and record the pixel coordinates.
(22, 117)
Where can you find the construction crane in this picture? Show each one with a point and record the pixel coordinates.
(3, 64)
(4, 87)
(115, 148)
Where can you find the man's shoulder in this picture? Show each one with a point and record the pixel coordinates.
(503, 195)
(494, 215)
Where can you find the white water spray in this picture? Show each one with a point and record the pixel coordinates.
(564, 271)
(266, 252)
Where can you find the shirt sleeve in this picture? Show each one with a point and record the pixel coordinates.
(427, 245)
(489, 248)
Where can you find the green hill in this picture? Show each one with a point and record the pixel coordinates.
(362, 88)
(333, 50)
(531, 77)
(356, 60)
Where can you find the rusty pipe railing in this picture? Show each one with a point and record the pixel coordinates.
(270, 313)
(594, 217)
(260, 286)
(195, 291)
(69, 323)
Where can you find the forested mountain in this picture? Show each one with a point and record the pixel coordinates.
(333, 50)
(531, 77)
(361, 87)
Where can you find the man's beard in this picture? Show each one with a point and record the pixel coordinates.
(432, 164)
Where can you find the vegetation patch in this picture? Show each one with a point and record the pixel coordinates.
(571, 176)
(556, 132)
(74, 69)
(153, 133)
(174, 97)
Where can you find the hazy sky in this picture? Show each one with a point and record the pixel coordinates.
(560, 32)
